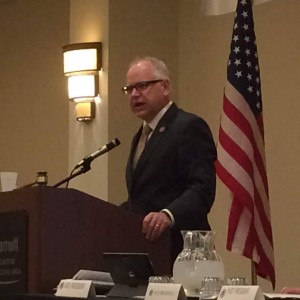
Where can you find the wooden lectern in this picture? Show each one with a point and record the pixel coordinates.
(68, 230)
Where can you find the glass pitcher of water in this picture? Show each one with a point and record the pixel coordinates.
(197, 260)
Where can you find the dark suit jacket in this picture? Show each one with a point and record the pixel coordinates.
(175, 171)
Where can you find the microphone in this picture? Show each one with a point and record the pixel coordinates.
(89, 158)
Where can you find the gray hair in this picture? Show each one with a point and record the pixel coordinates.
(160, 70)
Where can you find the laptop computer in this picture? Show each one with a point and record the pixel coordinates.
(130, 273)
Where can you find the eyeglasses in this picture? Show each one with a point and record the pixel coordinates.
(139, 86)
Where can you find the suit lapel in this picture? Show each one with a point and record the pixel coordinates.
(156, 138)
(129, 168)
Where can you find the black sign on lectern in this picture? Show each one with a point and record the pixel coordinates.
(13, 252)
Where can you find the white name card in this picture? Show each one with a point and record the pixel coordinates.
(165, 291)
(76, 288)
(241, 292)
(8, 181)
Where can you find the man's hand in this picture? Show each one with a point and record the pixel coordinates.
(154, 224)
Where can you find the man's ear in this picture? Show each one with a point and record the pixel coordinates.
(166, 87)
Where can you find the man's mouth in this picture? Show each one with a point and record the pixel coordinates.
(139, 105)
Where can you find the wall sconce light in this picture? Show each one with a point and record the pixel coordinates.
(82, 63)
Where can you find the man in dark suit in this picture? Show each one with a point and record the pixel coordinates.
(172, 182)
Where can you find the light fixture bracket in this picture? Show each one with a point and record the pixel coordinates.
(85, 111)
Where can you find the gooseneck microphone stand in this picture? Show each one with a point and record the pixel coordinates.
(86, 166)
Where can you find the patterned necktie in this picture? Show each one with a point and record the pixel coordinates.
(141, 145)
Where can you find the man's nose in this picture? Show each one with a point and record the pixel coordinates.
(135, 92)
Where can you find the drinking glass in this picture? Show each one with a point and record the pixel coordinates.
(210, 287)
(237, 281)
(160, 279)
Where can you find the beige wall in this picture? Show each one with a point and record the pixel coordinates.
(34, 108)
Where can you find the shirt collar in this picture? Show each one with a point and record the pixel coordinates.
(157, 118)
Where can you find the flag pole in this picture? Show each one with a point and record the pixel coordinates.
(253, 273)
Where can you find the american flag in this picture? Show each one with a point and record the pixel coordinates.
(241, 159)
